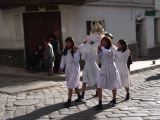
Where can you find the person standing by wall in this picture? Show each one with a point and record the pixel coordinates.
(56, 48)
(48, 56)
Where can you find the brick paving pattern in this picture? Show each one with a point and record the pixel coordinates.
(47, 104)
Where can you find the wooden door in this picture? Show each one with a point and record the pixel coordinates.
(38, 25)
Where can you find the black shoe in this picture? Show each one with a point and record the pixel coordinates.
(68, 104)
(99, 107)
(111, 101)
(127, 96)
(114, 102)
(82, 96)
(96, 95)
(79, 99)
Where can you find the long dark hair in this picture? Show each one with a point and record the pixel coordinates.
(69, 40)
(52, 36)
(109, 42)
(124, 45)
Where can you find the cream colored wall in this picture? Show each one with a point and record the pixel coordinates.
(118, 21)
(11, 28)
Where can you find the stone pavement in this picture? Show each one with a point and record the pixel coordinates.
(12, 71)
(139, 66)
(47, 104)
(11, 85)
(20, 80)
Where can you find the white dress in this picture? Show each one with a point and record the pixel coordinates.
(121, 63)
(91, 69)
(72, 69)
(109, 76)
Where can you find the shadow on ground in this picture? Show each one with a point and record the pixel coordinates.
(88, 114)
(14, 81)
(155, 77)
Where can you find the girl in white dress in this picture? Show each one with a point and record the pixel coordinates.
(122, 55)
(109, 76)
(90, 71)
(70, 61)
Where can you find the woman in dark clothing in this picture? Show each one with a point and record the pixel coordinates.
(39, 56)
(129, 62)
(35, 59)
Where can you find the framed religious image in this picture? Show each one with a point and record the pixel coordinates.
(88, 25)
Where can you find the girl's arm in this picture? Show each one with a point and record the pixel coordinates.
(83, 57)
(125, 55)
(98, 57)
(99, 54)
(62, 63)
(76, 56)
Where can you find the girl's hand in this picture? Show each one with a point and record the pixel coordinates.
(91, 42)
(99, 49)
(74, 49)
(84, 42)
(129, 51)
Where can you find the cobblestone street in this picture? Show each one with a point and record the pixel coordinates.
(47, 104)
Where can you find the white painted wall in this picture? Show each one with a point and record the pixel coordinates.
(118, 21)
(11, 28)
(149, 23)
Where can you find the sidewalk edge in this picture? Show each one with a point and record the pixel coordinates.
(62, 78)
(145, 69)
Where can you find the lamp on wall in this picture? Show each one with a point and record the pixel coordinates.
(139, 17)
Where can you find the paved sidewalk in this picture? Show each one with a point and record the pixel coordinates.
(47, 104)
(13, 71)
(137, 66)
(144, 65)
(19, 80)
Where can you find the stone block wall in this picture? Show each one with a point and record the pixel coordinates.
(12, 57)
(154, 52)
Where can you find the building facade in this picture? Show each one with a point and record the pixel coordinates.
(22, 27)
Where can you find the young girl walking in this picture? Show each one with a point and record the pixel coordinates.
(90, 71)
(70, 61)
(109, 76)
(121, 59)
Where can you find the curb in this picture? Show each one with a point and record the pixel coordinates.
(57, 78)
(54, 77)
(62, 78)
(145, 69)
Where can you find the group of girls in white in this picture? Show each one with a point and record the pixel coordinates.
(112, 75)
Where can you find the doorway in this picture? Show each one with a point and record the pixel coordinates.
(38, 25)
